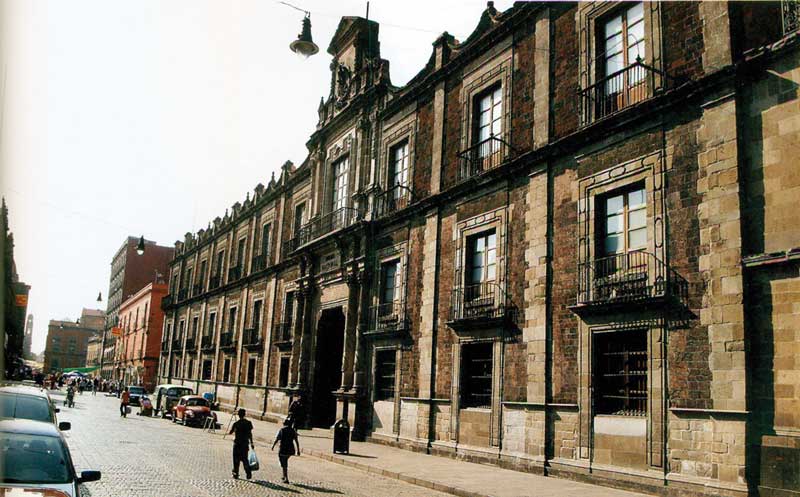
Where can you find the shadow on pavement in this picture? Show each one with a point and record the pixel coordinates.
(264, 483)
(317, 489)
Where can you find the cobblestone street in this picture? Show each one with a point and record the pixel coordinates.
(148, 457)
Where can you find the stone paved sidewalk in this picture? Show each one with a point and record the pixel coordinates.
(438, 473)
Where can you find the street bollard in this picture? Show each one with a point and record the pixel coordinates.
(341, 437)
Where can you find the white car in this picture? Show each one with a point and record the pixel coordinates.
(36, 461)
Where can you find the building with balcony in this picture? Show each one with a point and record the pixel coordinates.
(566, 246)
(138, 343)
(130, 272)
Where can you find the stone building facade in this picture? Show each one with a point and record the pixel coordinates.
(566, 246)
(137, 347)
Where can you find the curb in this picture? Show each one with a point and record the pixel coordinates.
(394, 475)
(460, 492)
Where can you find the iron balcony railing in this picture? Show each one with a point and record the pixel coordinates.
(251, 336)
(392, 200)
(234, 273)
(207, 342)
(619, 90)
(333, 221)
(190, 343)
(177, 343)
(487, 154)
(259, 263)
(226, 340)
(166, 301)
(629, 277)
(481, 301)
(790, 10)
(388, 317)
(282, 332)
(214, 282)
(183, 294)
(197, 290)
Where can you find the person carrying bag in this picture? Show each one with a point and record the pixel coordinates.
(287, 437)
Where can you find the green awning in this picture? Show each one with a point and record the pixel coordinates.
(81, 370)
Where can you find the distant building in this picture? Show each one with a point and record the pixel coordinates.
(94, 350)
(137, 348)
(68, 343)
(130, 272)
(27, 341)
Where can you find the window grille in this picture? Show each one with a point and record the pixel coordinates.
(620, 376)
(476, 375)
(385, 362)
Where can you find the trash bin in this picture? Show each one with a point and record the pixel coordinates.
(341, 437)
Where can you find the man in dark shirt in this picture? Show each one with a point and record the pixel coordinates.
(243, 430)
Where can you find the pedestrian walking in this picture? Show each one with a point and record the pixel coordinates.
(243, 436)
(94, 386)
(287, 437)
(123, 403)
(296, 409)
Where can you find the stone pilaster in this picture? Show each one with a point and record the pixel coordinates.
(716, 35)
(350, 331)
(541, 78)
(534, 333)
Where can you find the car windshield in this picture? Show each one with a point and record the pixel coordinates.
(25, 407)
(197, 402)
(178, 392)
(33, 459)
(136, 390)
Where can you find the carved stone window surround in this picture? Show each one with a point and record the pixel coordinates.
(649, 169)
(588, 20)
(397, 252)
(497, 70)
(393, 135)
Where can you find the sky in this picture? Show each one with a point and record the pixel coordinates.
(151, 117)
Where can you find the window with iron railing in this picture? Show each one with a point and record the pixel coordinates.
(207, 365)
(252, 363)
(385, 366)
(620, 373)
(488, 146)
(398, 167)
(476, 375)
(790, 10)
(621, 76)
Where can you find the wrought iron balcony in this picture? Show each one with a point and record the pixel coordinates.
(177, 343)
(226, 340)
(234, 273)
(197, 290)
(790, 10)
(282, 335)
(191, 344)
(316, 228)
(259, 263)
(214, 282)
(166, 301)
(615, 92)
(394, 199)
(480, 305)
(388, 318)
(629, 278)
(207, 342)
(252, 337)
(183, 294)
(488, 154)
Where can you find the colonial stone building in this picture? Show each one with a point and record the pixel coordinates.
(566, 246)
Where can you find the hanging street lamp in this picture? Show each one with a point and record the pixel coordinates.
(304, 45)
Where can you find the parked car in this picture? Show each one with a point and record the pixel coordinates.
(136, 394)
(35, 457)
(192, 410)
(25, 402)
(167, 395)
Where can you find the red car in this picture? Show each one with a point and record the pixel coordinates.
(192, 409)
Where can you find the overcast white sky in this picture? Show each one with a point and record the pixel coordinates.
(153, 116)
